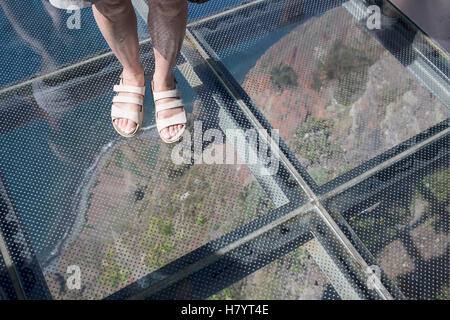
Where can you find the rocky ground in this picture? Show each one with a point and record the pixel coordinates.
(337, 97)
(363, 101)
(142, 212)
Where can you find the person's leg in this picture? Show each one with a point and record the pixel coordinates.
(167, 21)
(117, 22)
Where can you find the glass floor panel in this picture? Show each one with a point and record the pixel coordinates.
(405, 226)
(348, 201)
(339, 93)
(86, 197)
(295, 276)
(296, 249)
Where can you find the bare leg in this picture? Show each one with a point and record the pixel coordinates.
(117, 22)
(167, 21)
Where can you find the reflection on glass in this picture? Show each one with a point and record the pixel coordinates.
(36, 39)
(408, 233)
(295, 276)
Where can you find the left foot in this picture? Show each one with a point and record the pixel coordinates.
(164, 85)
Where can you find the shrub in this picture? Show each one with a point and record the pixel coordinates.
(166, 228)
(283, 76)
(312, 140)
(349, 66)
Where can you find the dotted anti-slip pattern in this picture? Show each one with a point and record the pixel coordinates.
(115, 208)
(405, 226)
(7, 291)
(290, 261)
(339, 93)
(99, 215)
(101, 212)
(294, 276)
(344, 98)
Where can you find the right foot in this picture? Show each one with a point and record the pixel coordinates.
(129, 79)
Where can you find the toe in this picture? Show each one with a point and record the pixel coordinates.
(173, 131)
(130, 127)
(168, 133)
(165, 133)
(122, 124)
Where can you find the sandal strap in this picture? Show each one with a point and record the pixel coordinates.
(129, 89)
(169, 105)
(119, 113)
(127, 99)
(175, 93)
(179, 118)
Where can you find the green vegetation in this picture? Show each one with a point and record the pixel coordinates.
(177, 171)
(166, 227)
(274, 280)
(88, 200)
(430, 196)
(158, 249)
(125, 163)
(106, 164)
(225, 294)
(349, 67)
(439, 185)
(299, 258)
(312, 140)
(194, 203)
(364, 226)
(159, 254)
(444, 294)
(202, 219)
(112, 273)
(94, 184)
(435, 188)
(150, 156)
(387, 223)
(399, 216)
(343, 169)
(316, 82)
(171, 209)
(254, 202)
(142, 208)
(283, 76)
(320, 175)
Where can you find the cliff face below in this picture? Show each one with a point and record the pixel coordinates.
(337, 96)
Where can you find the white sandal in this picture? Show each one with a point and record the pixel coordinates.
(179, 118)
(118, 113)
